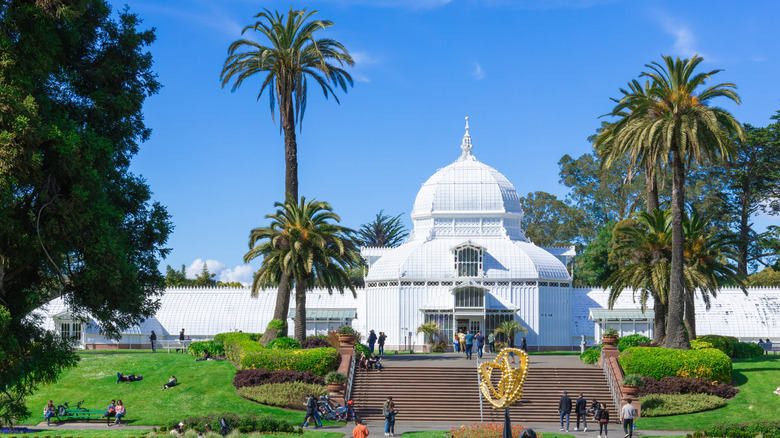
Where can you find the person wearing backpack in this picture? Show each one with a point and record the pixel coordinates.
(602, 416)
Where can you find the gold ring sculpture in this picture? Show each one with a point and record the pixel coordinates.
(510, 386)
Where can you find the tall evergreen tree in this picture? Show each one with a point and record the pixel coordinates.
(383, 231)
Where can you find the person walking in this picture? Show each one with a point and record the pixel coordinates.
(152, 340)
(469, 343)
(491, 342)
(388, 410)
(360, 430)
(523, 345)
(627, 415)
(311, 409)
(462, 341)
(181, 342)
(581, 410)
(371, 340)
(456, 342)
(381, 339)
(602, 416)
(564, 409)
(480, 338)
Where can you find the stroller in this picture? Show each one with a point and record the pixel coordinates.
(331, 413)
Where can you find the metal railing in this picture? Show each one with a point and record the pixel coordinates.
(350, 376)
(614, 376)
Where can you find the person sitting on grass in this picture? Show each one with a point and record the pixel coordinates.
(777, 391)
(171, 383)
(206, 356)
(131, 378)
(110, 411)
(49, 411)
(178, 430)
(120, 412)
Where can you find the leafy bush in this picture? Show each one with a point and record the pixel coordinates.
(360, 348)
(197, 348)
(484, 430)
(683, 385)
(500, 346)
(335, 377)
(591, 355)
(345, 330)
(659, 405)
(656, 362)
(244, 423)
(291, 395)
(747, 350)
(315, 342)
(722, 343)
(284, 343)
(633, 380)
(609, 332)
(238, 344)
(261, 376)
(439, 346)
(631, 341)
(767, 428)
(319, 361)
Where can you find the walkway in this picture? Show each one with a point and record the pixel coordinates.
(457, 360)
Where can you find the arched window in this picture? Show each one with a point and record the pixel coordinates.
(470, 297)
(468, 261)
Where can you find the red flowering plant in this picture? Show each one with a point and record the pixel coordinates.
(485, 430)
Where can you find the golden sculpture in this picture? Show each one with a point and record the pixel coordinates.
(510, 386)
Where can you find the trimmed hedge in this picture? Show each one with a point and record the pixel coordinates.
(315, 342)
(747, 350)
(243, 423)
(591, 355)
(631, 341)
(722, 343)
(657, 362)
(220, 338)
(660, 405)
(259, 377)
(237, 345)
(683, 385)
(291, 395)
(197, 348)
(767, 428)
(284, 343)
(319, 361)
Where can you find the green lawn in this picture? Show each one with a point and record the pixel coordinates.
(756, 379)
(204, 388)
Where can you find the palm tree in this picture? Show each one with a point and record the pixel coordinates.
(708, 266)
(674, 116)
(303, 244)
(642, 251)
(291, 56)
(431, 330)
(384, 230)
(510, 328)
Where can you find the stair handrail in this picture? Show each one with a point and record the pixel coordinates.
(614, 375)
(479, 389)
(350, 376)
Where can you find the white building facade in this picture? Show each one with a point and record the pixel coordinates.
(467, 265)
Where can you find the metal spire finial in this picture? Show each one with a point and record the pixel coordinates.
(466, 145)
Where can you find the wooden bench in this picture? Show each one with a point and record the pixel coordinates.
(82, 415)
(774, 347)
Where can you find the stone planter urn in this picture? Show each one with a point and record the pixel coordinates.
(609, 340)
(630, 391)
(347, 339)
(337, 388)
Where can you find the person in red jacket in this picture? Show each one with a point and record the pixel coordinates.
(360, 430)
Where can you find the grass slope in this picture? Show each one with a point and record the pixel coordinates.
(204, 388)
(756, 379)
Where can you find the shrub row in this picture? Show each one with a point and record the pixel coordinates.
(591, 355)
(315, 342)
(660, 405)
(747, 350)
(237, 345)
(767, 428)
(631, 341)
(259, 377)
(683, 385)
(284, 343)
(243, 423)
(197, 348)
(318, 361)
(656, 362)
(722, 343)
(291, 395)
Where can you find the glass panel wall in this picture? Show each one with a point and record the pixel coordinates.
(445, 324)
(493, 321)
(468, 261)
(470, 297)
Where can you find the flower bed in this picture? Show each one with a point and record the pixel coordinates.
(257, 377)
(485, 430)
(683, 385)
(291, 395)
(242, 423)
(659, 405)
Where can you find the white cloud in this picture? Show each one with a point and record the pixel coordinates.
(196, 267)
(478, 73)
(684, 39)
(363, 58)
(241, 274)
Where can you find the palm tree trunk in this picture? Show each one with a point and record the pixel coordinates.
(300, 311)
(651, 189)
(675, 330)
(690, 314)
(659, 322)
(280, 311)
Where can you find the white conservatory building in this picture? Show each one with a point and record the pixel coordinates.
(466, 265)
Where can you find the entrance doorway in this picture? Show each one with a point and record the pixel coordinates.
(472, 324)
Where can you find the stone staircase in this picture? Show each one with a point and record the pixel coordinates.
(452, 394)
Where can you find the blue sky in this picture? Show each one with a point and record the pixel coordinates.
(533, 76)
